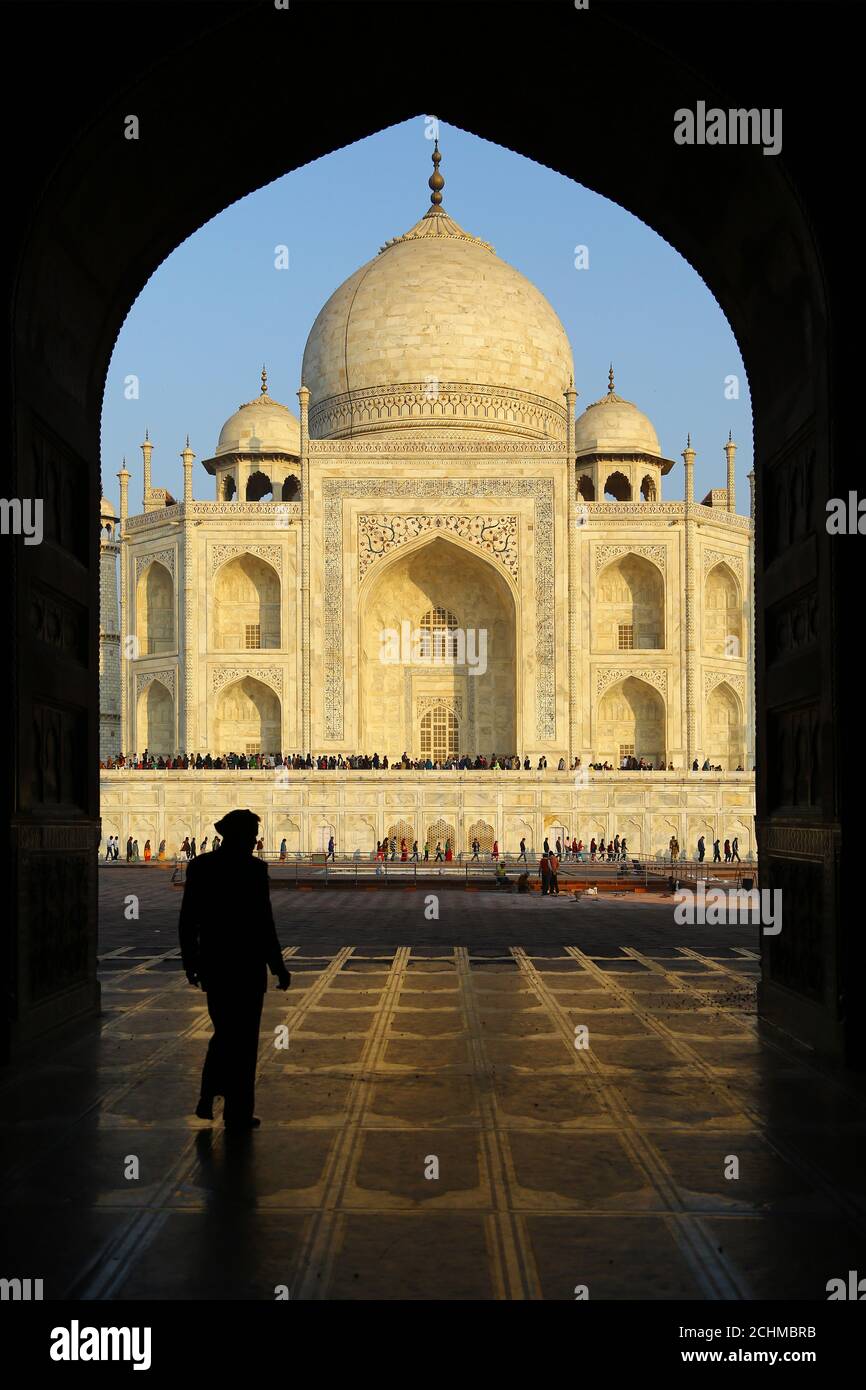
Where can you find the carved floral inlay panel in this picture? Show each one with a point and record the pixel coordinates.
(736, 681)
(219, 554)
(164, 557)
(611, 675)
(605, 554)
(379, 534)
(452, 703)
(144, 678)
(717, 557)
(225, 675)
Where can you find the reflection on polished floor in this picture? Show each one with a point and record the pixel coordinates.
(432, 1130)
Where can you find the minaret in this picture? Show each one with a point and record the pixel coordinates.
(187, 455)
(570, 401)
(188, 726)
(730, 452)
(125, 650)
(689, 600)
(751, 733)
(146, 454)
(689, 461)
(109, 635)
(574, 533)
(306, 717)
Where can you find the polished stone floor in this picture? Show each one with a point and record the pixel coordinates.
(432, 1130)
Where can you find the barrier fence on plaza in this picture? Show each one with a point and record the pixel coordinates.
(647, 871)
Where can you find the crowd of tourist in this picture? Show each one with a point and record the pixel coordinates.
(299, 762)
(594, 851)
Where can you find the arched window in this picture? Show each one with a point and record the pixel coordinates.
(439, 734)
(291, 488)
(439, 634)
(648, 489)
(229, 488)
(484, 833)
(585, 488)
(259, 487)
(617, 488)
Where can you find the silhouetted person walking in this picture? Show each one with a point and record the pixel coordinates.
(228, 942)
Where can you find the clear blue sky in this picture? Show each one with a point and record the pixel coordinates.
(216, 309)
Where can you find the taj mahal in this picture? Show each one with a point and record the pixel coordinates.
(437, 476)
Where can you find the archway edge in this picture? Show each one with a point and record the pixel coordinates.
(179, 99)
(743, 226)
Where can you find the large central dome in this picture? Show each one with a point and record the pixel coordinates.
(437, 331)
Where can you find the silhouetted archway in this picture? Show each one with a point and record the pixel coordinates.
(73, 287)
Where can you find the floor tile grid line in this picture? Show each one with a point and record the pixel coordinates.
(517, 1274)
(116, 1091)
(143, 964)
(803, 1059)
(777, 1145)
(164, 1050)
(13, 1079)
(116, 954)
(712, 1274)
(316, 1258)
(679, 983)
(110, 1268)
(754, 1027)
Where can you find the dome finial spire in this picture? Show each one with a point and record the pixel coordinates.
(264, 380)
(610, 380)
(436, 182)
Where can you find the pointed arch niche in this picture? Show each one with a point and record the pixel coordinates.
(397, 690)
(723, 613)
(154, 611)
(247, 718)
(631, 721)
(725, 731)
(246, 606)
(629, 607)
(155, 720)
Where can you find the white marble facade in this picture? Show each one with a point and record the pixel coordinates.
(437, 477)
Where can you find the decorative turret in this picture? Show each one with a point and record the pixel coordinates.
(689, 457)
(187, 455)
(730, 453)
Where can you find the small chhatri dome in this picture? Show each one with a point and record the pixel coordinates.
(262, 425)
(613, 425)
(437, 331)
